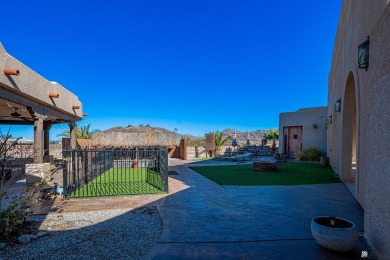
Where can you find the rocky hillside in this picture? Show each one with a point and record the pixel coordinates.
(255, 137)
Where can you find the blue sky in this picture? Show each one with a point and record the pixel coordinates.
(197, 66)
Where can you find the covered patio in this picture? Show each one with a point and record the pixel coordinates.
(27, 98)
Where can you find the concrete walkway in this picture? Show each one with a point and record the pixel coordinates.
(202, 220)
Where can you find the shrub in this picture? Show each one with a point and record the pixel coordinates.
(13, 211)
(13, 216)
(310, 154)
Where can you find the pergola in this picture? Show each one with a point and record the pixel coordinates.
(27, 98)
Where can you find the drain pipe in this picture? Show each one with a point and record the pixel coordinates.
(54, 95)
(9, 71)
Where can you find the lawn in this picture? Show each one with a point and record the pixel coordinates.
(122, 181)
(296, 173)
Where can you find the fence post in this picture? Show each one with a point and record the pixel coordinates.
(65, 176)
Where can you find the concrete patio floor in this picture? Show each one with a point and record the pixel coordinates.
(207, 221)
(203, 220)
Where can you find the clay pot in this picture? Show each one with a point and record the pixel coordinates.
(135, 164)
(336, 234)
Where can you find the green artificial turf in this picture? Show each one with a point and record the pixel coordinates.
(122, 181)
(296, 173)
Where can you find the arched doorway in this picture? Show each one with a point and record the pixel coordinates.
(349, 132)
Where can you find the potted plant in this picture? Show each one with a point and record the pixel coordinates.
(334, 233)
(135, 164)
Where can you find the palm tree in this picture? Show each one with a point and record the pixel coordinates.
(220, 141)
(272, 134)
(85, 132)
(81, 132)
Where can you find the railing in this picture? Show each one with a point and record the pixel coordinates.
(104, 172)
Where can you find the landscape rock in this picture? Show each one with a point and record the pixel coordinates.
(2, 246)
(32, 237)
(24, 239)
(41, 234)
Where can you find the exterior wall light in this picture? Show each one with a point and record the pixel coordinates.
(328, 121)
(9, 71)
(337, 106)
(314, 126)
(363, 54)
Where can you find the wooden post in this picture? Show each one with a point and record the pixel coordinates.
(46, 138)
(38, 140)
(183, 149)
(72, 131)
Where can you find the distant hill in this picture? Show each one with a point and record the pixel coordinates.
(149, 136)
(255, 137)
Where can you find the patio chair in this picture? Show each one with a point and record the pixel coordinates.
(281, 159)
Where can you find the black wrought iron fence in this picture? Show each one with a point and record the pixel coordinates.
(108, 172)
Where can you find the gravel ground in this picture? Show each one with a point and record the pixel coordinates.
(109, 234)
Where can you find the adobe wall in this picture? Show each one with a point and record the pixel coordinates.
(307, 118)
(359, 19)
(33, 86)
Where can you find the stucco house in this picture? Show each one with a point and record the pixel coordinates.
(302, 129)
(358, 115)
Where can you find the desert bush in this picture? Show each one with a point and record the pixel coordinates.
(13, 216)
(13, 211)
(196, 142)
(310, 154)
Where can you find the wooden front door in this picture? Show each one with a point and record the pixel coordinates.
(294, 140)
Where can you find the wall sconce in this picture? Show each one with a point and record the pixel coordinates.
(328, 121)
(9, 71)
(363, 54)
(337, 106)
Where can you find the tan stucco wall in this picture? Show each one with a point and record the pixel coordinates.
(35, 87)
(307, 118)
(359, 19)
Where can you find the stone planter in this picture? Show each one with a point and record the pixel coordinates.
(335, 234)
(36, 172)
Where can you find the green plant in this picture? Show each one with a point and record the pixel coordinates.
(272, 135)
(196, 142)
(310, 154)
(220, 141)
(12, 209)
(82, 132)
(13, 216)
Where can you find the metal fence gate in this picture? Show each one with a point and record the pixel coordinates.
(104, 172)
